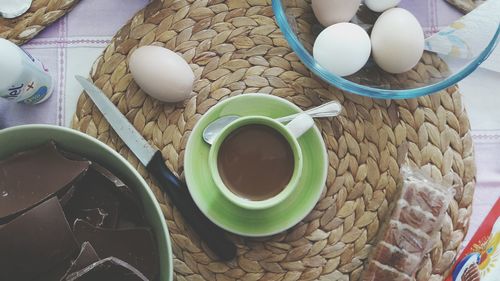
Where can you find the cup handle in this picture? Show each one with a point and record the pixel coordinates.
(300, 124)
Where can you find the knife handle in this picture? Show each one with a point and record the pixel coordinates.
(180, 197)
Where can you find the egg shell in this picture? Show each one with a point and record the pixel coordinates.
(397, 41)
(343, 48)
(161, 73)
(330, 12)
(381, 5)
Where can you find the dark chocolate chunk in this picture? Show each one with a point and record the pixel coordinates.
(96, 217)
(109, 269)
(130, 208)
(93, 192)
(28, 178)
(135, 245)
(87, 257)
(35, 242)
(65, 197)
(100, 190)
(56, 273)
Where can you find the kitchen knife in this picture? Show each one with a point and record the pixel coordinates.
(168, 182)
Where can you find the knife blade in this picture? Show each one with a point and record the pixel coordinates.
(167, 181)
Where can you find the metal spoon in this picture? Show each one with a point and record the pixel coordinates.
(329, 109)
(13, 8)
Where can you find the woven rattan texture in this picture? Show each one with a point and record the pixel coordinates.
(235, 47)
(41, 14)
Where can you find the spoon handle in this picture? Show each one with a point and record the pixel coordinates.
(329, 109)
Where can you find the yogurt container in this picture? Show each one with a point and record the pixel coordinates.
(22, 78)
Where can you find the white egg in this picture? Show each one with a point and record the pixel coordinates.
(330, 12)
(397, 41)
(343, 48)
(161, 73)
(381, 5)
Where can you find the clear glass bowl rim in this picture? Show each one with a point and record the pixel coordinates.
(355, 88)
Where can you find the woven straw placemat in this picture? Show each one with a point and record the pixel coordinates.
(235, 47)
(41, 14)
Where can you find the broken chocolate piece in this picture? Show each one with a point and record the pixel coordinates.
(96, 217)
(86, 257)
(397, 258)
(64, 198)
(93, 193)
(135, 245)
(109, 269)
(101, 191)
(405, 237)
(130, 210)
(55, 273)
(28, 178)
(379, 272)
(35, 242)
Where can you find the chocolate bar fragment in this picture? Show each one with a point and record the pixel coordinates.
(397, 258)
(109, 269)
(130, 210)
(415, 217)
(379, 272)
(36, 242)
(103, 200)
(66, 196)
(87, 257)
(28, 178)
(427, 198)
(93, 194)
(135, 246)
(405, 237)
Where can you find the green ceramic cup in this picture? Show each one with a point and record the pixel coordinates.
(291, 132)
(26, 137)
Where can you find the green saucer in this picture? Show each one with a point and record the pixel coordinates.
(254, 222)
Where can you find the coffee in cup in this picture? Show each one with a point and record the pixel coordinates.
(256, 161)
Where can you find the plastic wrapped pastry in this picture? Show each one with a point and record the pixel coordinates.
(415, 217)
(407, 235)
(427, 198)
(380, 272)
(399, 259)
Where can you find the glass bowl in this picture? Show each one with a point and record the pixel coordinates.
(300, 28)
